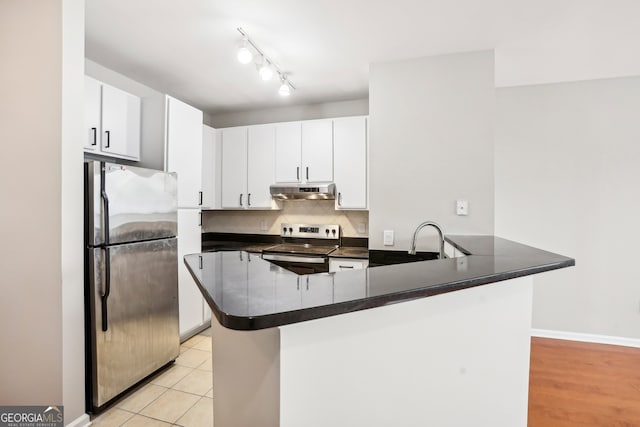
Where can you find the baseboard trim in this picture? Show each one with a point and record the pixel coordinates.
(592, 338)
(82, 421)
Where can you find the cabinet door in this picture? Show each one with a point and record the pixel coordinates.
(184, 151)
(92, 105)
(234, 168)
(350, 162)
(287, 291)
(350, 285)
(210, 168)
(189, 297)
(288, 152)
(317, 151)
(317, 290)
(260, 165)
(120, 123)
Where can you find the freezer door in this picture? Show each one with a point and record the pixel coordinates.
(137, 204)
(136, 331)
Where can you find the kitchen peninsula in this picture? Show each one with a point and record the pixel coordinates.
(442, 342)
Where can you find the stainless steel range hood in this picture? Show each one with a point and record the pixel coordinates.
(317, 191)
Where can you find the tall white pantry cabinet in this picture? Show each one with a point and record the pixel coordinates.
(183, 150)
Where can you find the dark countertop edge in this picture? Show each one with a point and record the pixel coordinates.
(285, 318)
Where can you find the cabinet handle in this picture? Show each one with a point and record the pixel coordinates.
(240, 199)
(307, 173)
(200, 225)
(307, 282)
(108, 139)
(95, 136)
(298, 173)
(200, 194)
(200, 261)
(249, 199)
(345, 266)
(339, 199)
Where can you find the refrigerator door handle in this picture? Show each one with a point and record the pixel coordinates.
(107, 289)
(105, 204)
(107, 260)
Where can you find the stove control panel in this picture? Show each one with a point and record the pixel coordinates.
(319, 231)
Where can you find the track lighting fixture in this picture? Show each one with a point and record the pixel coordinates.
(266, 68)
(266, 72)
(284, 90)
(244, 54)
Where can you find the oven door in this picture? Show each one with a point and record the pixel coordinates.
(299, 264)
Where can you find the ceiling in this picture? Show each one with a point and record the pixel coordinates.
(188, 48)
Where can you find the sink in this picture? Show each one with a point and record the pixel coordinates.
(379, 258)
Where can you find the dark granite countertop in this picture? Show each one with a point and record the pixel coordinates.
(350, 252)
(246, 292)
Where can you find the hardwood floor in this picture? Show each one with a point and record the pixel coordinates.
(582, 384)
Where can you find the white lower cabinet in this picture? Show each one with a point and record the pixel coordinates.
(316, 289)
(287, 291)
(191, 304)
(350, 286)
(343, 264)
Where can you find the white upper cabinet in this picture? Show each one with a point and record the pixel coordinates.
(288, 151)
(317, 151)
(184, 151)
(261, 143)
(120, 123)
(304, 151)
(248, 167)
(234, 168)
(92, 101)
(211, 152)
(112, 121)
(350, 162)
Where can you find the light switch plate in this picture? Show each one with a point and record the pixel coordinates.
(263, 225)
(462, 207)
(362, 228)
(388, 238)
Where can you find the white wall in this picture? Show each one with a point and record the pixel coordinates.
(567, 181)
(431, 142)
(358, 107)
(73, 378)
(30, 218)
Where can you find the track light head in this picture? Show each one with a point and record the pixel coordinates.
(244, 54)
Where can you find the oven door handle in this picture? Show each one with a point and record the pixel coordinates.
(294, 258)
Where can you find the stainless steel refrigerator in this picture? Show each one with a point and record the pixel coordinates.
(131, 277)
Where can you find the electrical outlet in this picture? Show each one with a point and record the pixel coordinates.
(462, 207)
(362, 228)
(263, 225)
(388, 238)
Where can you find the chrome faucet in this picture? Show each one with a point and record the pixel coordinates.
(412, 250)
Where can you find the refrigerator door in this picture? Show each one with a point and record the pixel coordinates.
(129, 204)
(134, 317)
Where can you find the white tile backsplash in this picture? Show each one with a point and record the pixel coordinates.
(294, 211)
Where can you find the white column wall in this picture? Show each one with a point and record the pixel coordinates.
(431, 142)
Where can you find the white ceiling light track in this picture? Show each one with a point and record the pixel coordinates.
(266, 67)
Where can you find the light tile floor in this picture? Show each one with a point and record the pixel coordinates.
(179, 396)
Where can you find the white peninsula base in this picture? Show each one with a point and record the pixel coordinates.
(455, 359)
